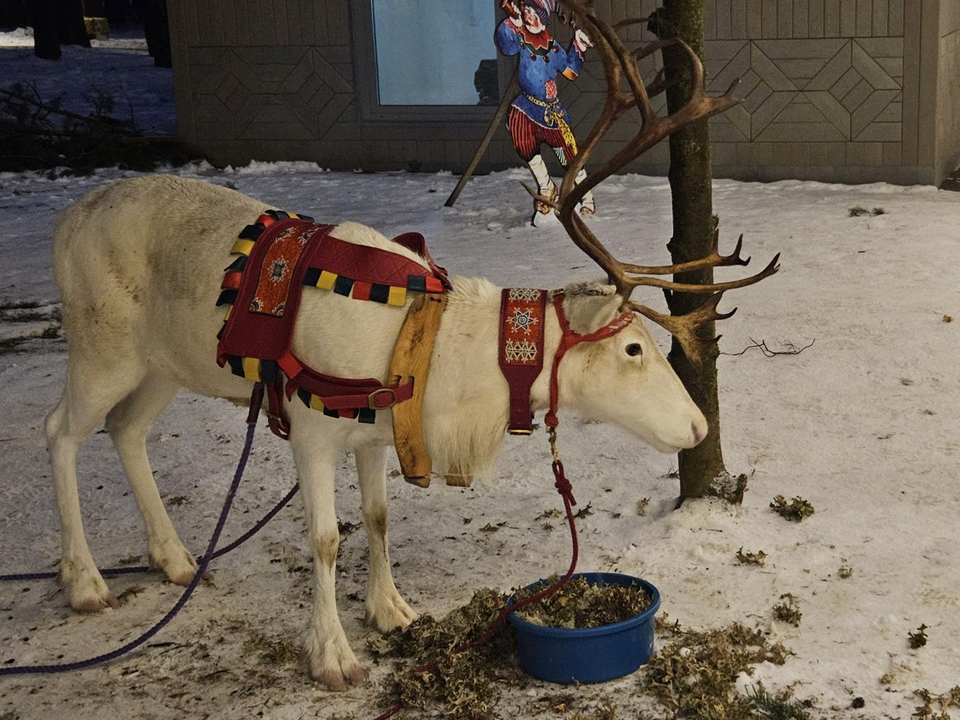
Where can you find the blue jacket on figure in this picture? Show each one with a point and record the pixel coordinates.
(541, 58)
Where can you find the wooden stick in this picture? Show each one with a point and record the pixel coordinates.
(411, 359)
(494, 124)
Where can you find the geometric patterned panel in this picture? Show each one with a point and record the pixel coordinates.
(814, 90)
(244, 97)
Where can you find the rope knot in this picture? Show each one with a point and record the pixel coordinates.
(563, 486)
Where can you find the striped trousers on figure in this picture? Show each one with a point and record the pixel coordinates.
(527, 137)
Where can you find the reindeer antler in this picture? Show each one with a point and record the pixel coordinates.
(621, 64)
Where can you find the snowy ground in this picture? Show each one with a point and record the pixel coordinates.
(119, 66)
(863, 424)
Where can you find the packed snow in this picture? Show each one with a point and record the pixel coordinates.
(862, 424)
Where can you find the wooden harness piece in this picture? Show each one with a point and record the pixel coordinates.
(411, 363)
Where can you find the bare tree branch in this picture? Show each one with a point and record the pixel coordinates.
(767, 352)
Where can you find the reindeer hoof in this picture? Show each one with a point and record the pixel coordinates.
(91, 606)
(389, 612)
(176, 561)
(88, 592)
(333, 664)
(331, 679)
(90, 595)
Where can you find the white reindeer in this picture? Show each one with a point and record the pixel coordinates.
(139, 264)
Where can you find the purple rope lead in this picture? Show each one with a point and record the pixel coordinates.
(138, 569)
(204, 564)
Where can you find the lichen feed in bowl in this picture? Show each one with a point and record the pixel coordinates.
(581, 650)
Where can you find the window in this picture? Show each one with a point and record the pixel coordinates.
(428, 60)
(435, 52)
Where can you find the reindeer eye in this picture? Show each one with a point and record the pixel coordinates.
(634, 349)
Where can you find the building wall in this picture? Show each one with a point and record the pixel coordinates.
(831, 89)
(948, 91)
(836, 90)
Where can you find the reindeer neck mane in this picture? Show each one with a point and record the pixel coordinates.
(467, 403)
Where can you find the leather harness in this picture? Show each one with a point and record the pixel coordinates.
(282, 252)
(276, 257)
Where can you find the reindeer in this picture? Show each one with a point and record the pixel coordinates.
(139, 263)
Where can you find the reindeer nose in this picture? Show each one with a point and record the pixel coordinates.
(699, 430)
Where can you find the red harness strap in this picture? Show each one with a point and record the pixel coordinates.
(254, 331)
(342, 393)
(570, 339)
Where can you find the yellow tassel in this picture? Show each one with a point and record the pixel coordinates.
(326, 281)
(316, 403)
(251, 369)
(229, 310)
(397, 296)
(567, 133)
(242, 247)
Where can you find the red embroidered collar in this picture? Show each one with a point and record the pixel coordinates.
(522, 319)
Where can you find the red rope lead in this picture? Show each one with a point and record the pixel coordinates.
(565, 488)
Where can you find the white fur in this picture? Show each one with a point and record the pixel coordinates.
(139, 264)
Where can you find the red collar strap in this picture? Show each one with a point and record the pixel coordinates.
(570, 339)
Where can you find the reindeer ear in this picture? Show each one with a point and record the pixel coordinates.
(590, 306)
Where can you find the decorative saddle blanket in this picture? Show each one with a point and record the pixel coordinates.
(277, 256)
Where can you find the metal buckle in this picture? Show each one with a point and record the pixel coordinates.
(372, 398)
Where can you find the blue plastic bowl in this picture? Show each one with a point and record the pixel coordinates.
(588, 655)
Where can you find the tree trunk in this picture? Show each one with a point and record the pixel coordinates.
(157, 30)
(693, 228)
(46, 36)
(70, 25)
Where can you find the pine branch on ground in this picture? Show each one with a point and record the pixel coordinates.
(42, 135)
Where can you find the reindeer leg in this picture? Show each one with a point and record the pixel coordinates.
(91, 390)
(315, 453)
(386, 609)
(128, 424)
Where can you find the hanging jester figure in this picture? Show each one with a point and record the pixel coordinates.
(536, 115)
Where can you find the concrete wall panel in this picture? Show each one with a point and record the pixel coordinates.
(837, 90)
